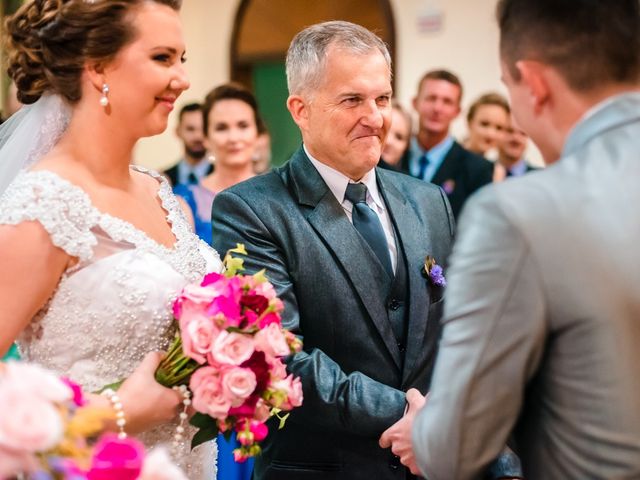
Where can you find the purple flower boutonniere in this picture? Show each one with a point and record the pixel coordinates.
(433, 272)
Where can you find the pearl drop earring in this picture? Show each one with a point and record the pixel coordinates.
(104, 100)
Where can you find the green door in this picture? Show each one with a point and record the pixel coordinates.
(270, 87)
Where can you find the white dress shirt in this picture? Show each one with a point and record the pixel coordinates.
(337, 183)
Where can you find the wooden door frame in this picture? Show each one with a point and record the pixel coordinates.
(242, 72)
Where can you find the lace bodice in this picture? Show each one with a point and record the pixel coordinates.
(114, 305)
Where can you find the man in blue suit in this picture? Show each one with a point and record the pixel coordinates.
(434, 155)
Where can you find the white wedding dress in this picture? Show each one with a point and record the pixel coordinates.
(114, 305)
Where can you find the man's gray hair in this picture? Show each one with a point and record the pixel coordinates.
(306, 56)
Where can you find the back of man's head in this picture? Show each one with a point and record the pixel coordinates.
(591, 43)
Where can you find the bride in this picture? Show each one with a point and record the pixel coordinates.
(93, 250)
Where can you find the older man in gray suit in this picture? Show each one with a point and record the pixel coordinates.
(345, 245)
(542, 320)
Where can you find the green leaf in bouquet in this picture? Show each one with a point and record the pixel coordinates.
(232, 264)
(239, 249)
(112, 386)
(200, 420)
(275, 412)
(204, 435)
(261, 276)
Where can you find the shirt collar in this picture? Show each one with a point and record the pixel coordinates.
(519, 168)
(337, 181)
(436, 153)
(611, 112)
(199, 170)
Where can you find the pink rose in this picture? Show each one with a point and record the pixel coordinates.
(211, 278)
(293, 389)
(269, 319)
(231, 348)
(36, 381)
(239, 456)
(227, 310)
(278, 369)
(262, 412)
(198, 332)
(116, 458)
(200, 294)
(265, 289)
(28, 422)
(237, 384)
(251, 431)
(14, 462)
(295, 392)
(271, 341)
(208, 397)
(158, 466)
(295, 344)
(259, 430)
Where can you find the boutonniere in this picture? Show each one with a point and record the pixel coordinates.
(449, 186)
(433, 272)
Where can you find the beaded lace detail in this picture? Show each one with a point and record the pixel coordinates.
(114, 305)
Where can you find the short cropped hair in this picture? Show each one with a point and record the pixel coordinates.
(189, 108)
(445, 75)
(589, 42)
(306, 56)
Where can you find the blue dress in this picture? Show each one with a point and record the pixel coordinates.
(200, 200)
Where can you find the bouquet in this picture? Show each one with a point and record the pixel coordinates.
(228, 349)
(48, 433)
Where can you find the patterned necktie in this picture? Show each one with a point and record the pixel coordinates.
(423, 163)
(368, 224)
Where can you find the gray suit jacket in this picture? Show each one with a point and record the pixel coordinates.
(542, 317)
(354, 373)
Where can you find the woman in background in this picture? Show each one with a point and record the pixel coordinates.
(396, 145)
(488, 120)
(231, 126)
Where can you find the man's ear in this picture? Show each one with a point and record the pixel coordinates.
(534, 76)
(299, 110)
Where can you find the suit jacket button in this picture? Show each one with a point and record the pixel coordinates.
(394, 462)
(394, 304)
(401, 347)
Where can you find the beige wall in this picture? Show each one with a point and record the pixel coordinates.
(467, 44)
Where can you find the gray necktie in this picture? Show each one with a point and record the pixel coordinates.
(368, 224)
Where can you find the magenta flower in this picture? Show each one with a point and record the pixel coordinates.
(78, 397)
(116, 458)
(211, 278)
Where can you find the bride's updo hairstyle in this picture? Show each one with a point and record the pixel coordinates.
(49, 41)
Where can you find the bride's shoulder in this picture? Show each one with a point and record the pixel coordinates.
(62, 208)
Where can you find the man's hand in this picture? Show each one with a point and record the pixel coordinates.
(398, 435)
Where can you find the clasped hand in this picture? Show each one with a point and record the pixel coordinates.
(398, 435)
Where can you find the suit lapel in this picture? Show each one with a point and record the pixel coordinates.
(449, 166)
(416, 243)
(369, 279)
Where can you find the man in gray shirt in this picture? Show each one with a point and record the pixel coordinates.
(542, 313)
